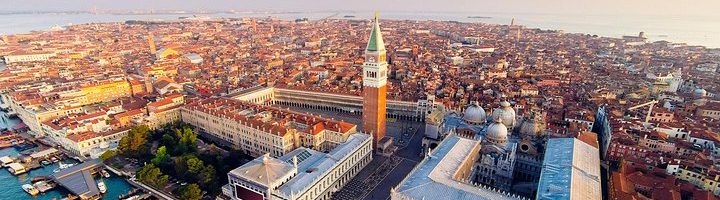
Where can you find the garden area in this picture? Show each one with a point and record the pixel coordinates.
(174, 160)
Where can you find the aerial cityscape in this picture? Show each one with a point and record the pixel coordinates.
(260, 103)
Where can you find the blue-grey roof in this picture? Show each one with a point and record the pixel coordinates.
(432, 180)
(453, 122)
(78, 180)
(571, 170)
(313, 165)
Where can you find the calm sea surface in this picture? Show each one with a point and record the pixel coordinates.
(688, 29)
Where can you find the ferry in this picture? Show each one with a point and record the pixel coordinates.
(30, 189)
(101, 187)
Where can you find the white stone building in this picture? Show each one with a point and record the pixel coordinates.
(301, 174)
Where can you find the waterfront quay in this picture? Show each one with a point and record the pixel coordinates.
(40, 162)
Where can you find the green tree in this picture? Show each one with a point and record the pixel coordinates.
(135, 143)
(191, 192)
(168, 140)
(161, 156)
(108, 154)
(186, 140)
(124, 145)
(150, 174)
(139, 137)
(194, 165)
(180, 166)
(162, 181)
(208, 174)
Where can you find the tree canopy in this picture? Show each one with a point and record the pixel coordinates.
(161, 156)
(135, 144)
(191, 192)
(152, 175)
(187, 139)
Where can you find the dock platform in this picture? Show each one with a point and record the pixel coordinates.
(78, 179)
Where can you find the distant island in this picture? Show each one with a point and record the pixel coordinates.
(479, 17)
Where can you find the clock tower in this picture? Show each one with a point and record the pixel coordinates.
(374, 85)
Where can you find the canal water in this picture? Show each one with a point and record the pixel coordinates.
(11, 186)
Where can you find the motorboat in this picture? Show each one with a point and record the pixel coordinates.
(30, 189)
(101, 187)
(62, 166)
(105, 173)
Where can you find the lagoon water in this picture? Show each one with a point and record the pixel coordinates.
(10, 185)
(694, 30)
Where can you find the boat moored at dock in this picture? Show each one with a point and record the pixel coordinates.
(105, 173)
(101, 187)
(30, 189)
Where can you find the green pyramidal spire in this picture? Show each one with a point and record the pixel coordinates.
(376, 42)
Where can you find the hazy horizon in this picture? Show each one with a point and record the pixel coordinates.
(572, 7)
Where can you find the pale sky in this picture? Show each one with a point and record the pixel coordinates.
(595, 7)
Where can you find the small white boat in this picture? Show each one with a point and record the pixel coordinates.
(65, 166)
(134, 197)
(101, 186)
(62, 166)
(30, 189)
(105, 173)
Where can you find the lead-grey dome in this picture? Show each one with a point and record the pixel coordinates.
(474, 114)
(497, 133)
(505, 113)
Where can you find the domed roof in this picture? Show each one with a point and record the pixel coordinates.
(532, 127)
(700, 92)
(505, 113)
(497, 133)
(474, 114)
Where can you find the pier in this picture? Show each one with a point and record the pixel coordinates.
(78, 179)
(141, 186)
